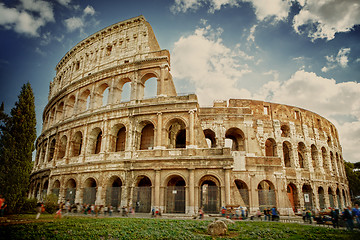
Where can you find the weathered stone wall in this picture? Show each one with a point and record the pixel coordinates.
(168, 152)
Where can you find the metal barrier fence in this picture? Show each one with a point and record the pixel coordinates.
(175, 199)
(113, 196)
(210, 199)
(267, 199)
(89, 195)
(142, 199)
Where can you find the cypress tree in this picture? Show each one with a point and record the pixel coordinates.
(18, 134)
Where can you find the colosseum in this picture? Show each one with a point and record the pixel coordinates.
(101, 146)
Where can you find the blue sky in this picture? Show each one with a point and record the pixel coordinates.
(302, 53)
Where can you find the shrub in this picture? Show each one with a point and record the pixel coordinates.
(29, 205)
(50, 203)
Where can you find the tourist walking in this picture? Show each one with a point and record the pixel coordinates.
(2, 205)
(335, 217)
(39, 207)
(356, 214)
(348, 217)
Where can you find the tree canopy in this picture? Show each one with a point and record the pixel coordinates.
(17, 137)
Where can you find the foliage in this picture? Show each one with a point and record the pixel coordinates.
(353, 178)
(137, 228)
(29, 205)
(17, 138)
(51, 203)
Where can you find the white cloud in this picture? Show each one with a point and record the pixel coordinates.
(28, 17)
(193, 5)
(209, 65)
(74, 23)
(340, 60)
(267, 9)
(89, 10)
(64, 2)
(325, 97)
(323, 19)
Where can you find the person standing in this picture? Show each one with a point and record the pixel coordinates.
(2, 205)
(356, 214)
(334, 218)
(348, 217)
(38, 209)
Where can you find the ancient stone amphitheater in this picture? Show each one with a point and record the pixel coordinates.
(99, 147)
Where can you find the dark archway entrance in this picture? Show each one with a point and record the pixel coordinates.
(113, 192)
(210, 194)
(175, 195)
(90, 191)
(244, 193)
(71, 190)
(142, 195)
(266, 193)
(293, 196)
(308, 196)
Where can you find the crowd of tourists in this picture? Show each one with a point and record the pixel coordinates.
(241, 213)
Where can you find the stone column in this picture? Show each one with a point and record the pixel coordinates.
(227, 186)
(191, 206)
(99, 193)
(158, 131)
(191, 130)
(157, 188)
(253, 194)
(161, 82)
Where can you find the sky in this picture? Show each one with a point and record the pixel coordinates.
(304, 53)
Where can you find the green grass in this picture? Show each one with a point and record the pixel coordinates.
(137, 228)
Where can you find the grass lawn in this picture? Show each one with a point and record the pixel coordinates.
(138, 228)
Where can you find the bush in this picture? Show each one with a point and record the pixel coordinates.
(51, 203)
(29, 205)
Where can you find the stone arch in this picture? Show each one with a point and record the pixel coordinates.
(102, 95)
(70, 106)
(332, 161)
(308, 196)
(70, 190)
(287, 153)
(331, 197)
(52, 116)
(301, 149)
(324, 156)
(176, 131)
(270, 148)
(76, 144)
(285, 130)
(175, 194)
(338, 198)
(123, 90)
(83, 102)
(242, 194)
(292, 193)
(60, 111)
(142, 194)
(38, 191)
(141, 86)
(62, 147)
(210, 198)
(329, 141)
(120, 142)
(52, 149)
(94, 141)
(146, 136)
(266, 194)
(56, 188)
(344, 197)
(210, 137)
(90, 189)
(113, 191)
(321, 196)
(238, 139)
(314, 156)
(45, 189)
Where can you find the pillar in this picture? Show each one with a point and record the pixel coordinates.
(191, 130)
(157, 188)
(191, 206)
(227, 186)
(158, 131)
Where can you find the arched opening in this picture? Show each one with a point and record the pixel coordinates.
(321, 195)
(84, 101)
(237, 138)
(344, 197)
(44, 189)
(38, 192)
(329, 141)
(332, 162)
(52, 116)
(287, 153)
(62, 147)
(331, 197)
(338, 197)
(120, 140)
(105, 97)
(56, 188)
(150, 89)
(113, 194)
(147, 137)
(176, 134)
(43, 152)
(338, 164)
(324, 158)
(77, 144)
(70, 104)
(242, 194)
(314, 156)
(89, 191)
(210, 138)
(142, 195)
(95, 139)
(266, 194)
(270, 147)
(126, 92)
(293, 196)
(70, 191)
(301, 154)
(52, 150)
(308, 196)
(59, 111)
(285, 130)
(209, 194)
(175, 195)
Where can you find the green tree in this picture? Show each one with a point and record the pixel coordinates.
(353, 178)
(17, 137)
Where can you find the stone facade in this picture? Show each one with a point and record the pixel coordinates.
(167, 151)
